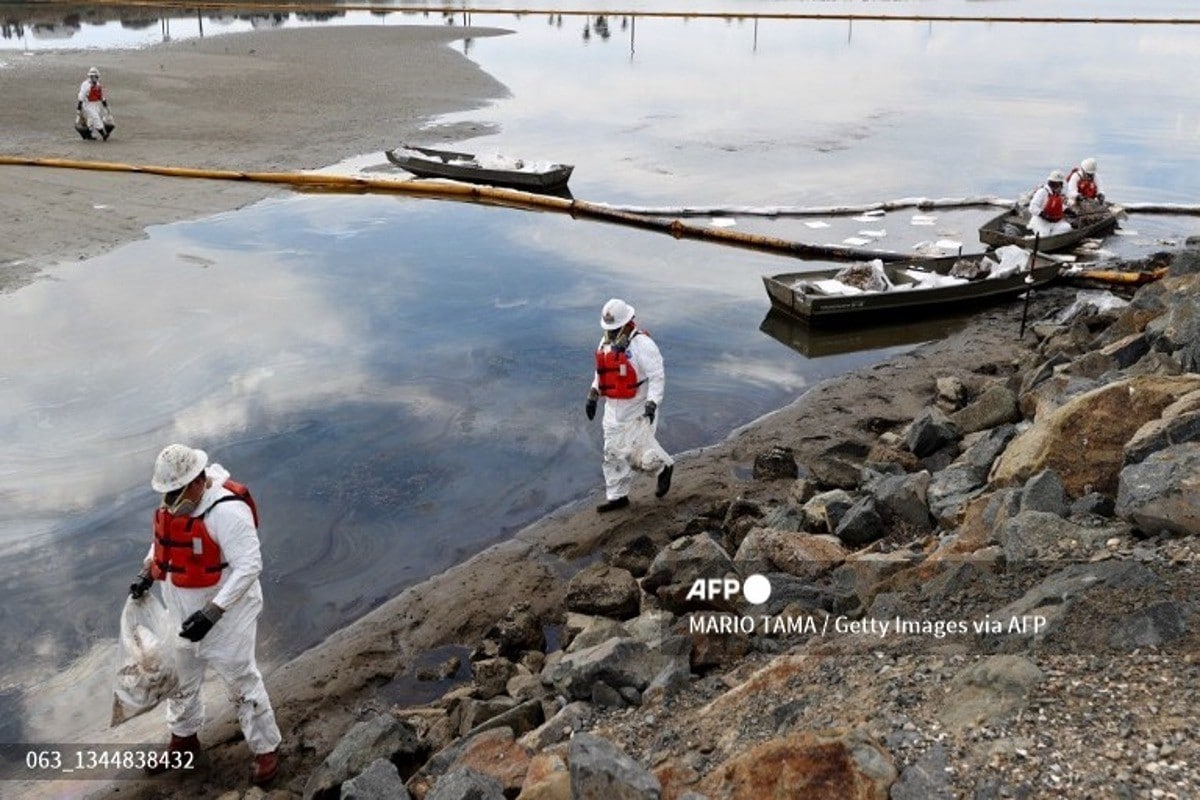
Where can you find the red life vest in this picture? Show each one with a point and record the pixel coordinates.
(1086, 186)
(1053, 210)
(183, 549)
(95, 93)
(616, 376)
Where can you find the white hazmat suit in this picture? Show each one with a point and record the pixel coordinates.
(1037, 223)
(629, 437)
(229, 647)
(93, 110)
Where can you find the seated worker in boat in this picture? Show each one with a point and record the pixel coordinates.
(1083, 187)
(1048, 207)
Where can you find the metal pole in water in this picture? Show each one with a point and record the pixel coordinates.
(1029, 279)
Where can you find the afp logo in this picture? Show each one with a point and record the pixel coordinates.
(756, 589)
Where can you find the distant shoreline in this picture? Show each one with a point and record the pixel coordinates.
(220, 102)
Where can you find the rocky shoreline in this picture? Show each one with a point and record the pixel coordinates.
(982, 557)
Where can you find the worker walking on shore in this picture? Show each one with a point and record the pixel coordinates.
(92, 107)
(206, 553)
(630, 377)
(1047, 208)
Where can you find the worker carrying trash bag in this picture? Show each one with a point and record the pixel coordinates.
(631, 379)
(93, 118)
(206, 554)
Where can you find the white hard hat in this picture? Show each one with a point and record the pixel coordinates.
(1055, 177)
(1088, 165)
(615, 314)
(177, 466)
(93, 71)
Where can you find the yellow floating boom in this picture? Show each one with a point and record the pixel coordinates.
(489, 195)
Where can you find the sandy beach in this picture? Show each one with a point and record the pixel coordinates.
(273, 101)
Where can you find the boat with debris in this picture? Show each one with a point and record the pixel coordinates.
(848, 295)
(1012, 227)
(493, 170)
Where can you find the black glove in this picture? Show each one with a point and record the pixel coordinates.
(651, 410)
(138, 589)
(197, 626)
(104, 103)
(79, 106)
(590, 407)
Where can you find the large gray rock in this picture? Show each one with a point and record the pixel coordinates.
(930, 432)
(380, 781)
(861, 525)
(465, 783)
(678, 565)
(1153, 626)
(995, 407)
(1045, 492)
(601, 771)
(382, 736)
(617, 662)
(1159, 493)
(903, 501)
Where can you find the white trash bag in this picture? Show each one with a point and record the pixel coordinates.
(145, 660)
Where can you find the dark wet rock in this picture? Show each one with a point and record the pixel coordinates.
(1158, 494)
(778, 462)
(1153, 626)
(381, 737)
(1094, 504)
(636, 556)
(1044, 492)
(1127, 351)
(902, 501)
(518, 630)
(379, 781)
(930, 432)
(491, 676)
(861, 524)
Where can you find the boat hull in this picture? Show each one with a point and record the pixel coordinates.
(426, 162)
(1003, 230)
(833, 310)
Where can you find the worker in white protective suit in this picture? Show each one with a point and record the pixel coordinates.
(630, 377)
(206, 555)
(92, 105)
(1083, 185)
(1047, 208)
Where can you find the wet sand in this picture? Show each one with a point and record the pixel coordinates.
(261, 101)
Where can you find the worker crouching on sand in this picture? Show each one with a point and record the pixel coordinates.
(631, 379)
(206, 554)
(92, 107)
